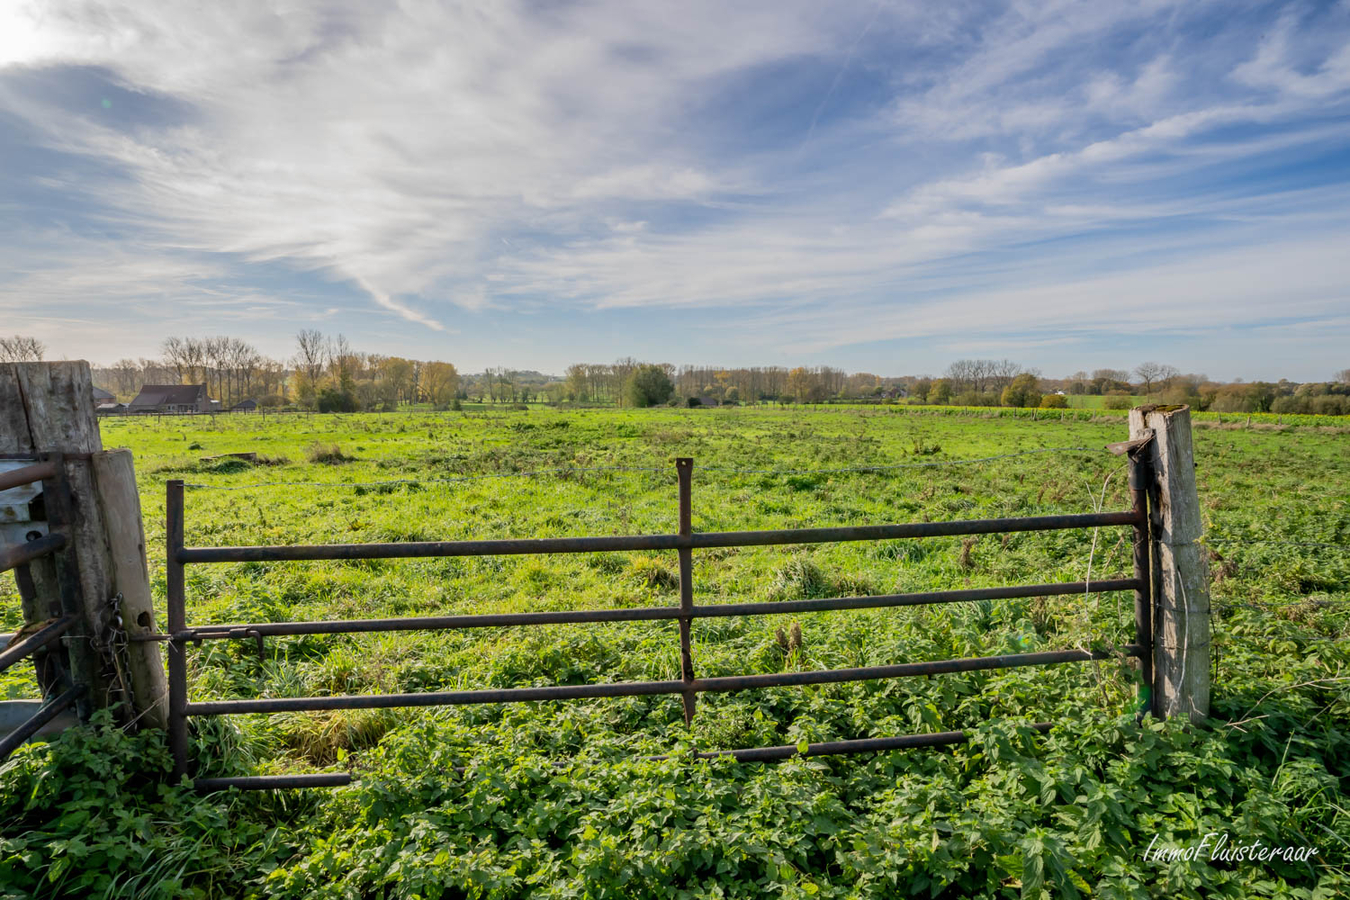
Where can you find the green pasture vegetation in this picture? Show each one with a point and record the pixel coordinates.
(555, 800)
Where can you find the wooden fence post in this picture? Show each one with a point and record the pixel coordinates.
(49, 408)
(1180, 572)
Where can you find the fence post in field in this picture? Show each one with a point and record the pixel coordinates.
(47, 411)
(1179, 570)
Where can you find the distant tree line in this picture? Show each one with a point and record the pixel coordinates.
(327, 374)
(324, 374)
(610, 384)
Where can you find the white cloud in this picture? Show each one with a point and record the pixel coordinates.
(469, 158)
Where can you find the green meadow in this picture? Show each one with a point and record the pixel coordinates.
(556, 800)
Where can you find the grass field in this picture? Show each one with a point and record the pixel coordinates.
(1087, 401)
(553, 801)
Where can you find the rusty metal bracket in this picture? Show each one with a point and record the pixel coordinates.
(1120, 448)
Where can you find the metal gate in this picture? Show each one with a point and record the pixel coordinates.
(57, 674)
(684, 542)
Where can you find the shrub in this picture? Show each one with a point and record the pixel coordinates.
(1117, 401)
(331, 454)
(1022, 391)
(333, 400)
(649, 385)
(1054, 401)
(799, 579)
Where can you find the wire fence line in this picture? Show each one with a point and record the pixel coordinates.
(568, 470)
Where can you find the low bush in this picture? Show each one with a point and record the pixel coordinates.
(327, 453)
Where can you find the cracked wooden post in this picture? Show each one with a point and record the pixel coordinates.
(48, 408)
(1180, 572)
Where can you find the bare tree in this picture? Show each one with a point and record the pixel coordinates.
(1150, 372)
(175, 355)
(1343, 376)
(1001, 373)
(21, 349)
(311, 356)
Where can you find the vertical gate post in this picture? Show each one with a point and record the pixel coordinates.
(684, 470)
(47, 411)
(177, 608)
(1180, 573)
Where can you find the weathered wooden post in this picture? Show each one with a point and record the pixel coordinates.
(1179, 570)
(45, 409)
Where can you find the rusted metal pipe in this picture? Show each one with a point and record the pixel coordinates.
(702, 540)
(747, 755)
(684, 470)
(640, 614)
(15, 555)
(641, 688)
(177, 609)
(36, 641)
(27, 475)
(49, 711)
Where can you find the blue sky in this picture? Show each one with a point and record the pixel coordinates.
(876, 186)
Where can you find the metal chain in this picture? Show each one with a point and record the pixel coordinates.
(111, 645)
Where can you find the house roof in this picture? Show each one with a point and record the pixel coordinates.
(101, 395)
(169, 395)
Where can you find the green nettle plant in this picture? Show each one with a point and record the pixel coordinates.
(559, 800)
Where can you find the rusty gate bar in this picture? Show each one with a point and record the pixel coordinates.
(644, 688)
(51, 664)
(36, 641)
(684, 470)
(836, 748)
(688, 686)
(177, 609)
(41, 471)
(702, 540)
(748, 754)
(15, 555)
(645, 614)
(49, 710)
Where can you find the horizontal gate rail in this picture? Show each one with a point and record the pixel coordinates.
(50, 710)
(27, 475)
(645, 614)
(700, 541)
(179, 635)
(646, 688)
(15, 555)
(748, 754)
(36, 641)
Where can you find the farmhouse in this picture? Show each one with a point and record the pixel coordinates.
(101, 397)
(249, 405)
(171, 398)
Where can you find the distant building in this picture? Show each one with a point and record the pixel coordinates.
(110, 409)
(245, 406)
(101, 397)
(171, 398)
